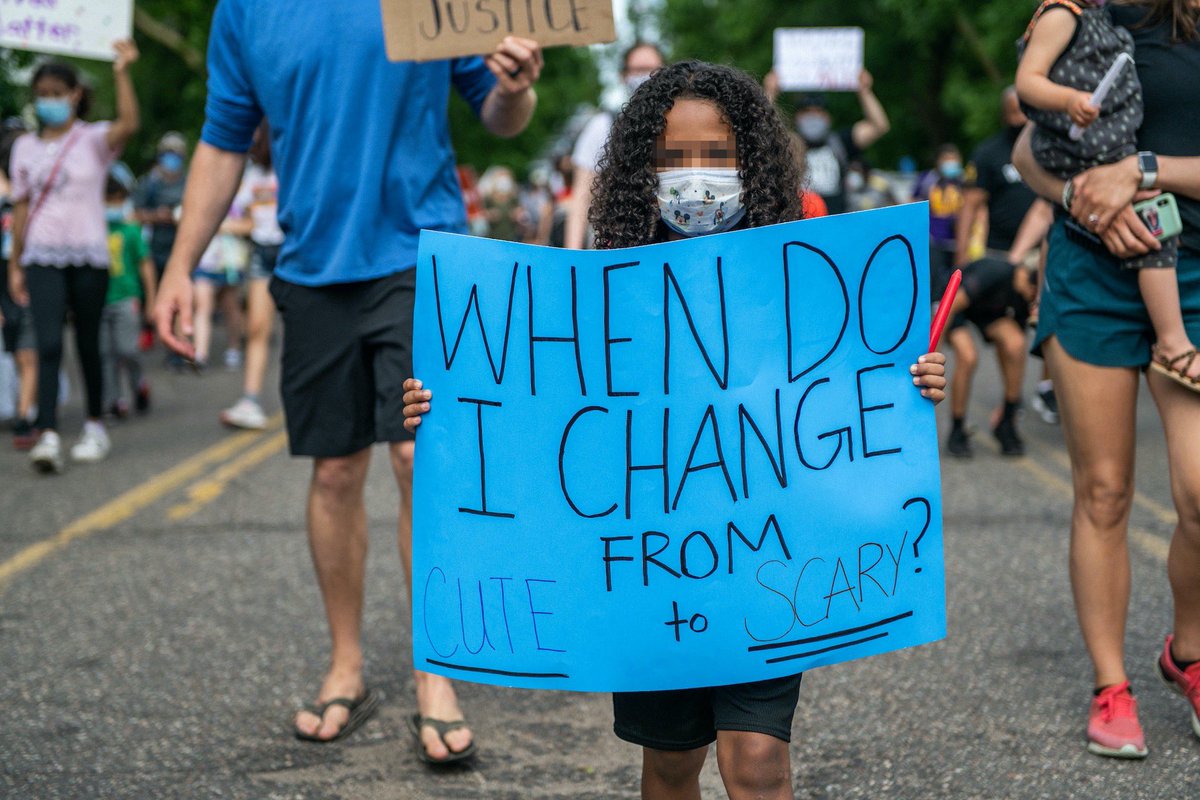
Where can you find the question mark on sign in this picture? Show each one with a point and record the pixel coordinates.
(925, 527)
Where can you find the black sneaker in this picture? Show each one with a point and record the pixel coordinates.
(1046, 405)
(141, 401)
(25, 436)
(959, 444)
(1006, 435)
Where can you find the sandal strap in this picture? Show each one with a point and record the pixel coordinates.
(442, 727)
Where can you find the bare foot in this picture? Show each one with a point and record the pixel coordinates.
(341, 684)
(436, 699)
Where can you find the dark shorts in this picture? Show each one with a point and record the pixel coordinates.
(347, 349)
(988, 284)
(1095, 309)
(263, 258)
(941, 267)
(18, 327)
(690, 718)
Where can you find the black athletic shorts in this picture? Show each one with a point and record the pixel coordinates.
(690, 718)
(347, 349)
(988, 284)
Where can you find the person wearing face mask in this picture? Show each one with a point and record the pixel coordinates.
(829, 152)
(501, 205)
(639, 63)
(159, 193)
(131, 277)
(60, 256)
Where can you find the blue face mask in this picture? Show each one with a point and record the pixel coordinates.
(951, 169)
(171, 162)
(53, 112)
(115, 214)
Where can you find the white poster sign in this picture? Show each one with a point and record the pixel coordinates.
(818, 59)
(84, 28)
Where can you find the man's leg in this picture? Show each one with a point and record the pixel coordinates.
(435, 694)
(672, 774)
(1009, 338)
(337, 538)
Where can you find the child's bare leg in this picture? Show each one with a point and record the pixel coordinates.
(754, 766)
(1160, 292)
(672, 775)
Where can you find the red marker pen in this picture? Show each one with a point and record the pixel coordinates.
(943, 310)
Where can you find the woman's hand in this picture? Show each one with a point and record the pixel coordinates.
(16, 285)
(1128, 236)
(416, 402)
(1100, 193)
(929, 373)
(127, 53)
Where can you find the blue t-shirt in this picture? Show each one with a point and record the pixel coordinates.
(361, 145)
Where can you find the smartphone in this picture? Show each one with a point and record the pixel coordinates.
(1161, 215)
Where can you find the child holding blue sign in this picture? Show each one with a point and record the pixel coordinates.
(699, 149)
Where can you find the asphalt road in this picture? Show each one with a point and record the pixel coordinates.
(159, 624)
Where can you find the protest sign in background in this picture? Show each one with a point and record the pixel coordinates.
(818, 59)
(424, 30)
(85, 28)
(687, 464)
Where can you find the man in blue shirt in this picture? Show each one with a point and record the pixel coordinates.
(362, 150)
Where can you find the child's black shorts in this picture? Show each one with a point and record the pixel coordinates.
(690, 718)
(347, 350)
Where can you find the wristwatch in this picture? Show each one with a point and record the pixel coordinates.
(1148, 164)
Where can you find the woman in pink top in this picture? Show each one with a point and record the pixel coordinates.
(60, 256)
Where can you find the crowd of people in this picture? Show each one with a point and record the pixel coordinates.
(1040, 221)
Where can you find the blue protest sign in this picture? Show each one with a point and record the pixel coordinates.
(686, 464)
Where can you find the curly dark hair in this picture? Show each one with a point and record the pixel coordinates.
(624, 210)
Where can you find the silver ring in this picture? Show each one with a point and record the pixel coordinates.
(1093, 219)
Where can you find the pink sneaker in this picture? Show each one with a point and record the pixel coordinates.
(1113, 728)
(1186, 682)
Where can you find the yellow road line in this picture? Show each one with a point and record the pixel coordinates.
(204, 492)
(131, 502)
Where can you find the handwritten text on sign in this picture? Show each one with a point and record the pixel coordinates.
(808, 59)
(423, 30)
(686, 464)
(85, 28)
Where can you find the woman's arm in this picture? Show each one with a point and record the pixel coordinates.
(16, 274)
(1179, 174)
(128, 117)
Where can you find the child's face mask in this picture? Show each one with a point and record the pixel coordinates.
(694, 202)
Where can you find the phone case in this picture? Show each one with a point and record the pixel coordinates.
(1161, 215)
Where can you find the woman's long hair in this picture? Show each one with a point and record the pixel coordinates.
(624, 210)
(1182, 15)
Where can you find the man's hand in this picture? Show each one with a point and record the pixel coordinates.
(174, 303)
(127, 53)
(516, 63)
(1080, 109)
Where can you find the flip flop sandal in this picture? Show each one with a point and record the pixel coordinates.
(1167, 367)
(360, 710)
(441, 728)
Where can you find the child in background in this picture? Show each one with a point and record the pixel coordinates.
(1067, 49)
(217, 279)
(713, 130)
(131, 278)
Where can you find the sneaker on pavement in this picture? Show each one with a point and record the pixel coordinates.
(141, 400)
(1046, 405)
(92, 446)
(959, 444)
(245, 413)
(24, 435)
(1010, 442)
(1186, 682)
(46, 455)
(1113, 727)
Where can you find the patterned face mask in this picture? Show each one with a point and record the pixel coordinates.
(694, 202)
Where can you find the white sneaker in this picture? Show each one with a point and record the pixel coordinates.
(245, 413)
(92, 446)
(46, 455)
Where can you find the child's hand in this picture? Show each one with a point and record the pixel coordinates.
(929, 373)
(416, 403)
(1081, 110)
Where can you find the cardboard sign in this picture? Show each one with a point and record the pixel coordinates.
(84, 28)
(425, 30)
(818, 59)
(688, 464)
